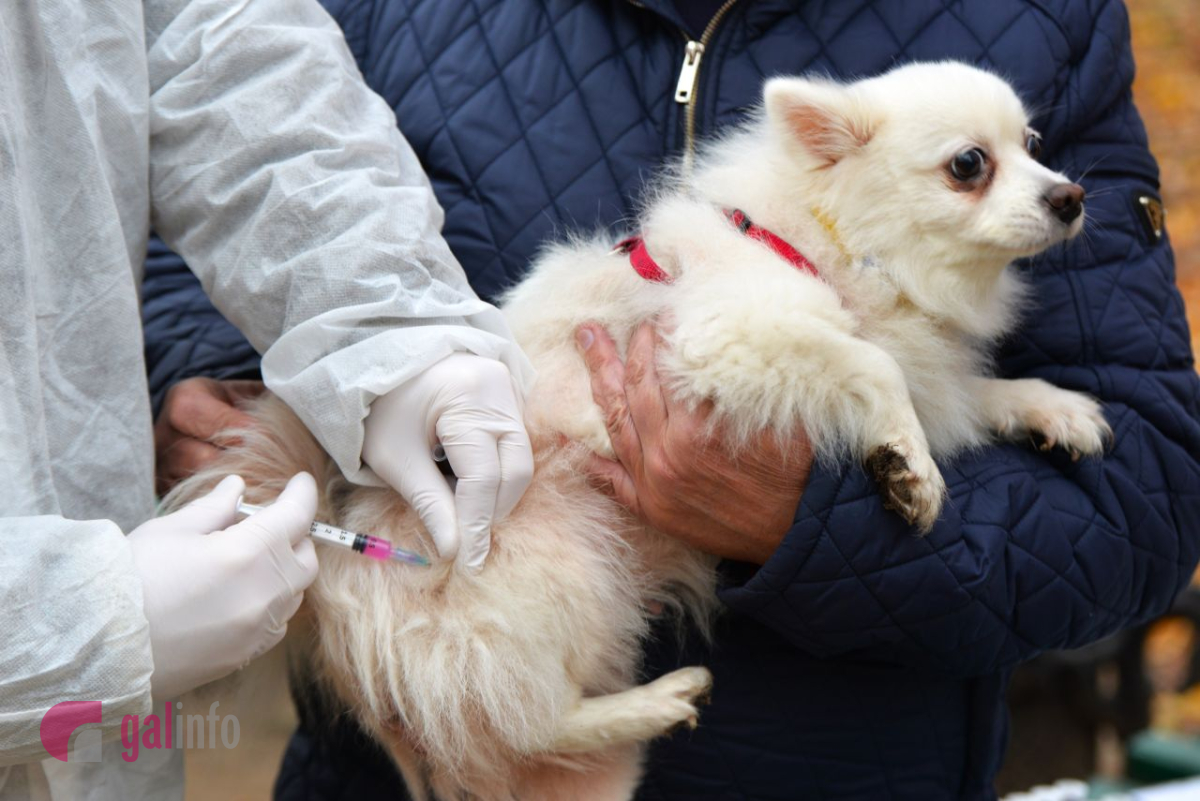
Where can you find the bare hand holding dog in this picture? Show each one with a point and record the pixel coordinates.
(675, 475)
(194, 412)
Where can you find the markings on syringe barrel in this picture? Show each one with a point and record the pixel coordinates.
(328, 533)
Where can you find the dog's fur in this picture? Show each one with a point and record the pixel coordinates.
(518, 682)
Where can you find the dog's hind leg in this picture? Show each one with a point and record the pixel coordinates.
(596, 754)
(407, 761)
(612, 775)
(635, 715)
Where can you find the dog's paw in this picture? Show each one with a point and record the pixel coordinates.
(1071, 421)
(673, 699)
(909, 481)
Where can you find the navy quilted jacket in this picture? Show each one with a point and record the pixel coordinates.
(860, 662)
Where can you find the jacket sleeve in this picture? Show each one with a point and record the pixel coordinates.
(1033, 551)
(185, 334)
(284, 183)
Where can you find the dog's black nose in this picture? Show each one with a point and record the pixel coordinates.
(1066, 201)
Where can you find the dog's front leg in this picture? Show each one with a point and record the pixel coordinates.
(777, 351)
(1051, 416)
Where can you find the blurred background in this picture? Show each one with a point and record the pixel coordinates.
(1166, 43)
(1126, 712)
(1126, 709)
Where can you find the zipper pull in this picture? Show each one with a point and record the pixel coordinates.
(687, 75)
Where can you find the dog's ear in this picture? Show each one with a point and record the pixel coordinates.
(827, 119)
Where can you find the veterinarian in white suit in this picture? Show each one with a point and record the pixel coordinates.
(243, 129)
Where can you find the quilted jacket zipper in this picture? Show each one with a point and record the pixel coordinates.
(685, 89)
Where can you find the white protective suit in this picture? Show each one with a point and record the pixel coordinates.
(243, 128)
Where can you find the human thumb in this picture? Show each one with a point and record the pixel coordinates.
(292, 513)
(212, 512)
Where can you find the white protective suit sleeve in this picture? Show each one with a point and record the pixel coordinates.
(68, 636)
(76, 454)
(283, 181)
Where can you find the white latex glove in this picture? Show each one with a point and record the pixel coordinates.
(469, 405)
(216, 594)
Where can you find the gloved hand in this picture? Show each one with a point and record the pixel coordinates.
(469, 405)
(216, 594)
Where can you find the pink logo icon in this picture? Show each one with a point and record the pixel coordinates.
(61, 721)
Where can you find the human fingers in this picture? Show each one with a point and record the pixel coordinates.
(647, 402)
(615, 480)
(607, 373)
(212, 512)
(516, 471)
(240, 390)
(306, 560)
(289, 519)
(199, 408)
(183, 457)
(474, 456)
(424, 487)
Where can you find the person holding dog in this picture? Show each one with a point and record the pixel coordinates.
(246, 132)
(855, 659)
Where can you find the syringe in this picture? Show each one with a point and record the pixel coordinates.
(374, 547)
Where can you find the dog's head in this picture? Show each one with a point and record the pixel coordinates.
(940, 151)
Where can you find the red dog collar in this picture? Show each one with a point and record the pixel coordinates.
(647, 267)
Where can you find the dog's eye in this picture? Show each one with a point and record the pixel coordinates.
(1033, 144)
(968, 165)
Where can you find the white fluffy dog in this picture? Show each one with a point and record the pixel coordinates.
(909, 194)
